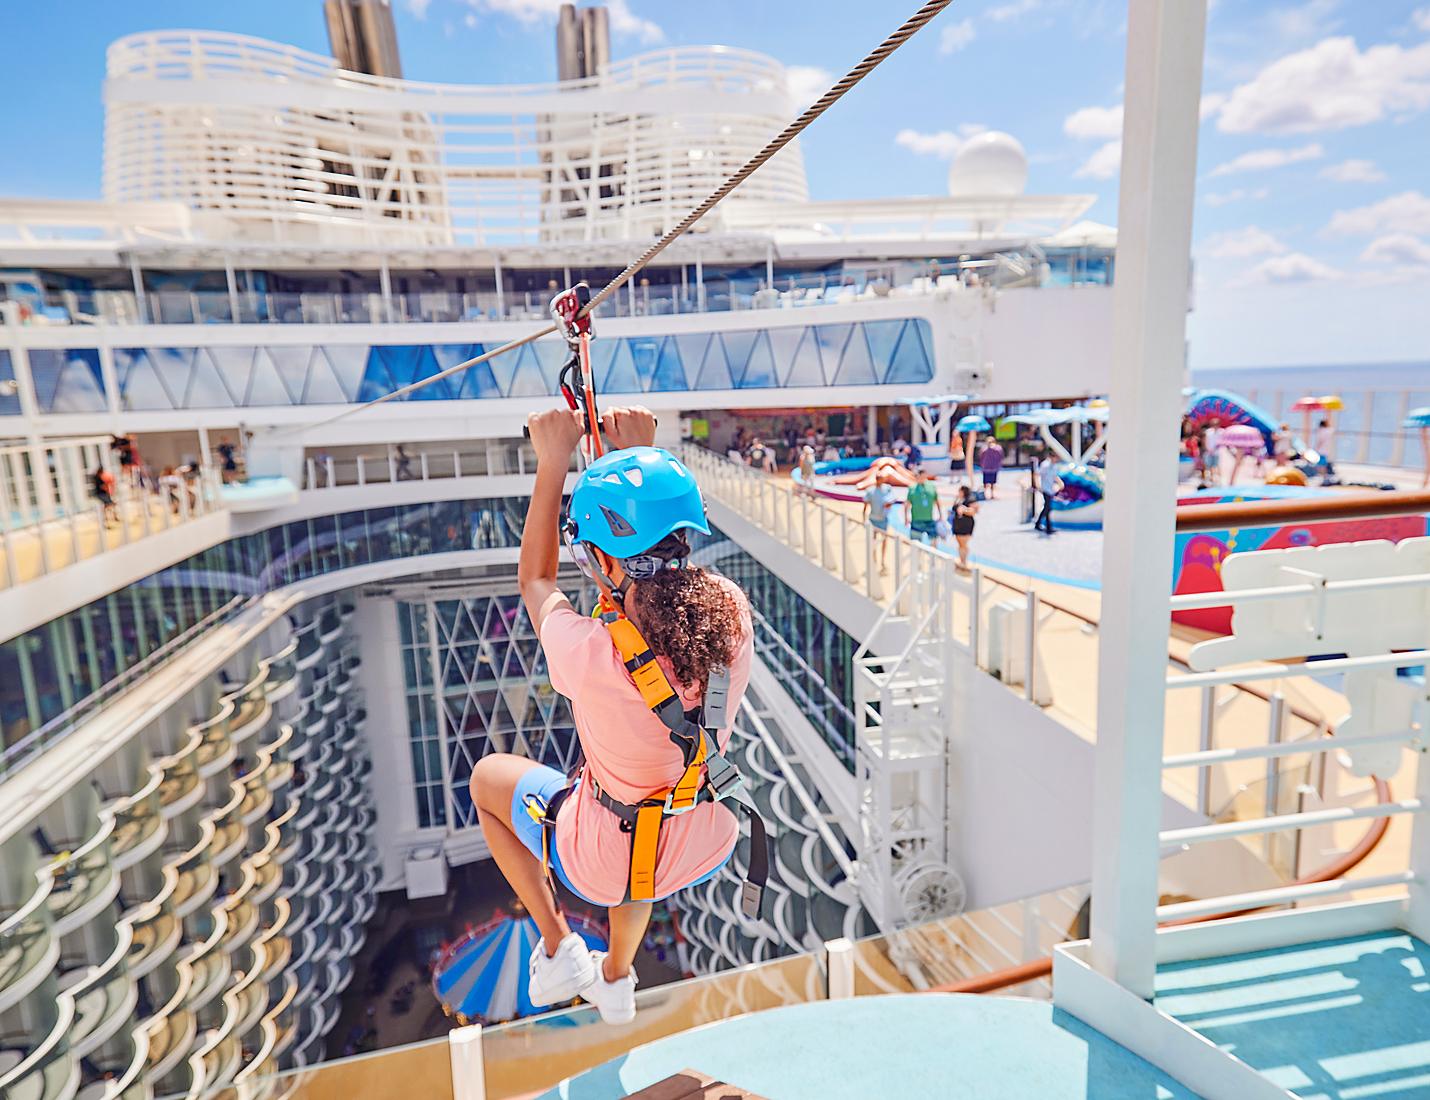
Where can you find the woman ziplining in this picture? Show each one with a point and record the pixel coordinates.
(653, 679)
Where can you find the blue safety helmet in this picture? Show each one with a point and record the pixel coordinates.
(628, 500)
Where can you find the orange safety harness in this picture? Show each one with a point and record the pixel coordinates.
(707, 776)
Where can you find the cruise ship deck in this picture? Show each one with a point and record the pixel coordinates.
(1132, 810)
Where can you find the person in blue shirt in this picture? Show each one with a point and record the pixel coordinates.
(877, 503)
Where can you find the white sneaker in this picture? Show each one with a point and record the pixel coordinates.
(616, 1000)
(563, 975)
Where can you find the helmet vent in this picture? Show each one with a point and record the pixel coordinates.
(634, 475)
(619, 527)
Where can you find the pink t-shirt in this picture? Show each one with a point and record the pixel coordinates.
(630, 754)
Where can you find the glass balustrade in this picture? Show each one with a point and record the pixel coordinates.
(138, 826)
(28, 948)
(83, 881)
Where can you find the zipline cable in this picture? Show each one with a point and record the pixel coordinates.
(907, 30)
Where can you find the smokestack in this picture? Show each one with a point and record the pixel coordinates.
(363, 37)
(583, 42)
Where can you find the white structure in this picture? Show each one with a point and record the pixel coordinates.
(277, 143)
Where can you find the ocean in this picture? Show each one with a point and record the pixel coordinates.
(1376, 395)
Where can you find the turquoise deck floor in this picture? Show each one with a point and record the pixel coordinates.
(1341, 1019)
(951, 1046)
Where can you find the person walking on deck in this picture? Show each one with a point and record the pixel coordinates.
(1048, 484)
(921, 507)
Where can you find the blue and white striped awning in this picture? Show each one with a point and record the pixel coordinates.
(485, 973)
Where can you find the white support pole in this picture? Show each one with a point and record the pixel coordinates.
(469, 1075)
(233, 310)
(501, 298)
(384, 279)
(1165, 40)
(839, 960)
(141, 302)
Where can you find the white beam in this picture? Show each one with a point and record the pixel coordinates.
(1154, 221)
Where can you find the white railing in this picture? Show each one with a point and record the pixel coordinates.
(50, 516)
(1231, 768)
(396, 463)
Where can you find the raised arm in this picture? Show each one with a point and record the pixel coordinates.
(554, 436)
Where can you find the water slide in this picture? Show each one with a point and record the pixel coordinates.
(1222, 408)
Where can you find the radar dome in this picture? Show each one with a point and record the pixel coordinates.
(991, 163)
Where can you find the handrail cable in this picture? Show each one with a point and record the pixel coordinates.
(907, 30)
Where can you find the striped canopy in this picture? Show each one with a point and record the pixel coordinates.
(484, 974)
(1418, 418)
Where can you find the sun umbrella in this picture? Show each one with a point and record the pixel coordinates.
(1329, 402)
(971, 425)
(1420, 418)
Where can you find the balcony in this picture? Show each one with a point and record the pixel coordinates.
(246, 1002)
(28, 947)
(171, 1032)
(45, 1071)
(197, 879)
(219, 1057)
(120, 1068)
(104, 997)
(215, 751)
(139, 826)
(282, 1017)
(211, 969)
(252, 709)
(267, 878)
(181, 787)
(85, 882)
(156, 932)
(242, 924)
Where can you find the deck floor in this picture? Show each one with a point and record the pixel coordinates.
(1337, 1019)
(922, 1044)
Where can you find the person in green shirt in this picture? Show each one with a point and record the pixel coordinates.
(921, 507)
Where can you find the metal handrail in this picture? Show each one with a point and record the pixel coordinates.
(1271, 513)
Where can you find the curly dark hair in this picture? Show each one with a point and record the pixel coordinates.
(689, 617)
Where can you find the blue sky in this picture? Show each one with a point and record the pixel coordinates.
(1312, 234)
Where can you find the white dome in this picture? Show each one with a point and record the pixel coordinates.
(992, 163)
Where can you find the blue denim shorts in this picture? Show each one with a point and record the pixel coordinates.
(542, 782)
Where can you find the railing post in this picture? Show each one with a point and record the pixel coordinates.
(456, 463)
(1275, 731)
(839, 968)
(391, 464)
(361, 470)
(425, 474)
(469, 1075)
(975, 600)
(312, 469)
(1030, 653)
(1206, 742)
(332, 474)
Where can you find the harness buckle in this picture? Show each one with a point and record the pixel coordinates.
(724, 777)
(669, 808)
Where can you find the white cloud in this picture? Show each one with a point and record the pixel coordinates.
(1212, 102)
(943, 144)
(956, 36)
(1397, 248)
(1239, 194)
(470, 19)
(1353, 171)
(1094, 122)
(807, 83)
(1103, 164)
(1003, 12)
(1242, 243)
(1260, 159)
(1303, 22)
(1421, 18)
(1287, 270)
(1330, 86)
(418, 7)
(627, 23)
(624, 22)
(1407, 212)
